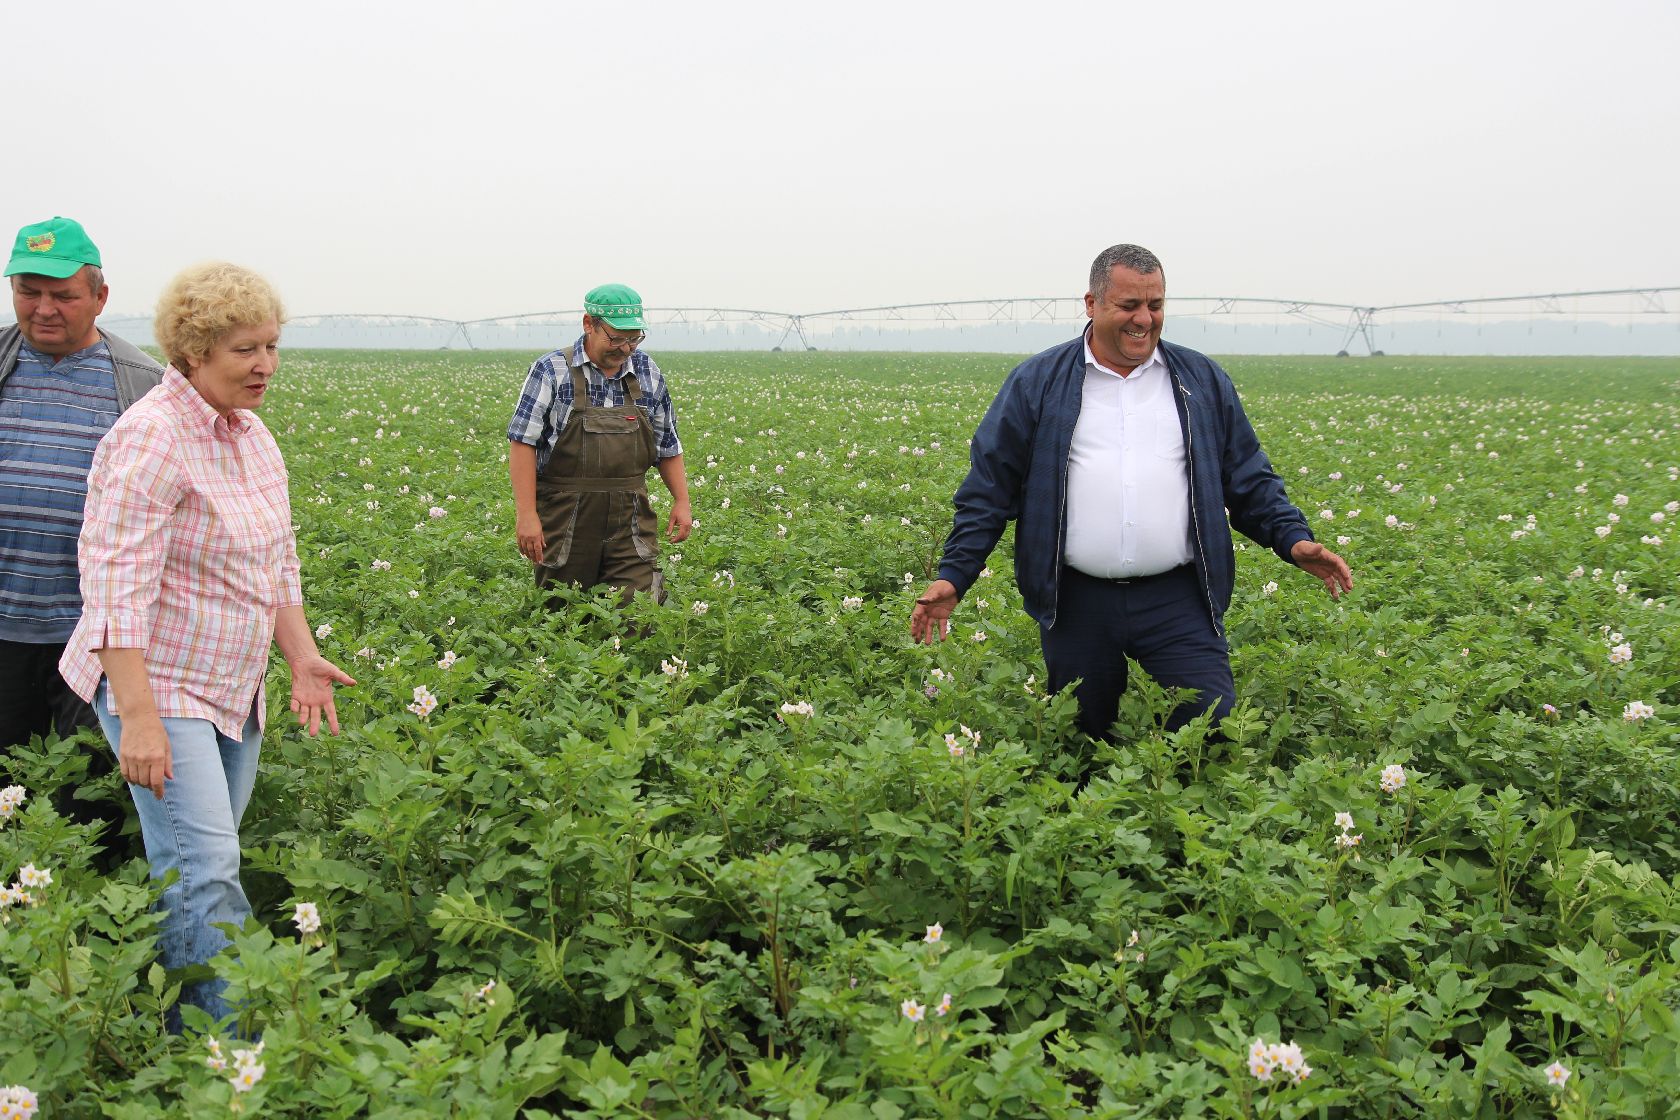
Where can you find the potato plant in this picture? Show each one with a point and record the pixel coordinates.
(752, 853)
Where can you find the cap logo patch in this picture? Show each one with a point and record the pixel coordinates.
(40, 243)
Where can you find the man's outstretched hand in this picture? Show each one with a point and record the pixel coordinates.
(931, 620)
(1320, 562)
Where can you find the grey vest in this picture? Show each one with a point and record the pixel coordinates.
(135, 371)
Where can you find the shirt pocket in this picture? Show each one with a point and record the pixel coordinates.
(1169, 438)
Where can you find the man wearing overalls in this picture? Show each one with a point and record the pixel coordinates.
(591, 420)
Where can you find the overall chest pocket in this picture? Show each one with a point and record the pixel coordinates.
(611, 421)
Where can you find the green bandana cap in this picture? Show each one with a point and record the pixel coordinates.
(618, 304)
(56, 248)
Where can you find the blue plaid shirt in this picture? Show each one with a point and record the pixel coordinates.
(545, 404)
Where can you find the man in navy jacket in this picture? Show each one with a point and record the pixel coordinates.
(1124, 462)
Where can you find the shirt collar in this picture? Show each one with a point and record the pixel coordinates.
(198, 409)
(580, 358)
(1148, 365)
(97, 350)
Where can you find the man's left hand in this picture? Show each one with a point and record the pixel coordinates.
(313, 677)
(1314, 558)
(681, 522)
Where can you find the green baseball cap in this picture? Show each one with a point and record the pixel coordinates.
(58, 248)
(618, 304)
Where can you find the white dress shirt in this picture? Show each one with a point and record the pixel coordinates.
(1128, 490)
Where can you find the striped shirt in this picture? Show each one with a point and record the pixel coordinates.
(545, 404)
(52, 415)
(187, 553)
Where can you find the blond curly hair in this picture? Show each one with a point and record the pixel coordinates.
(204, 303)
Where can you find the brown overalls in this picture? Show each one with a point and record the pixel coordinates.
(598, 526)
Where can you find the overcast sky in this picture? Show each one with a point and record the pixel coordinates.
(487, 158)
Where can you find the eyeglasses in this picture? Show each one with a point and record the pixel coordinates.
(634, 340)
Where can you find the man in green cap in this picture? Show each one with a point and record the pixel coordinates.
(63, 382)
(591, 419)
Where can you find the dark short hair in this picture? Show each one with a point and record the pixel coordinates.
(1134, 257)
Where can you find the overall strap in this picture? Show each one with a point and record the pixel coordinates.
(580, 387)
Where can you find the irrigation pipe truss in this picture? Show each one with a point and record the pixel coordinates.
(1355, 320)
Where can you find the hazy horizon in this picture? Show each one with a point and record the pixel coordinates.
(465, 163)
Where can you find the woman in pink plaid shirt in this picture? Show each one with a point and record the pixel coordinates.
(189, 571)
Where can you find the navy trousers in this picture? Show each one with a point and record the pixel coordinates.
(1160, 621)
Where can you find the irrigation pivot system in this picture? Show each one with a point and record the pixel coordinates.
(1353, 323)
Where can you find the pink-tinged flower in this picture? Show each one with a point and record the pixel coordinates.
(944, 1006)
(935, 933)
(1550, 710)
(436, 512)
(912, 1010)
(1557, 1075)
(424, 702)
(1288, 1059)
(17, 1102)
(1283, 1058)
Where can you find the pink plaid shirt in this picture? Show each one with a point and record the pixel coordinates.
(187, 552)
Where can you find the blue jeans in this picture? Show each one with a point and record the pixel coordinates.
(195, 830)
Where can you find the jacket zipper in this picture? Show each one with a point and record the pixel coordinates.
(1061, 519)
(1195, 516)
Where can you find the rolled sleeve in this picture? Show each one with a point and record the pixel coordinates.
(133, 491)
(530, 422)
(662, 416)
(291, 576)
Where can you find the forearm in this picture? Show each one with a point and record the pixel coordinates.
(522, 474)
(129, 682)
(675, 476)
(291, 634)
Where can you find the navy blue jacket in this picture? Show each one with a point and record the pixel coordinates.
(1019, 464)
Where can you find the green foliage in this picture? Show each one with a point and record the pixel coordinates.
(694, 902)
